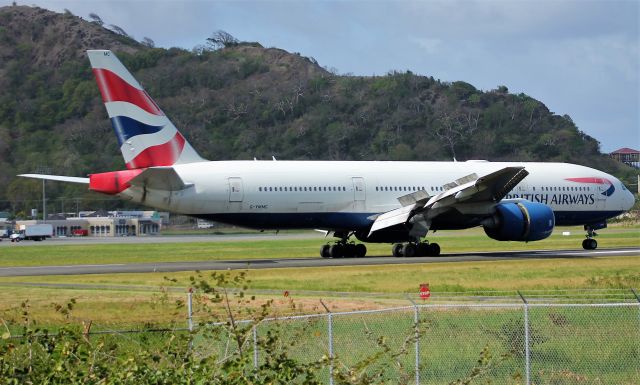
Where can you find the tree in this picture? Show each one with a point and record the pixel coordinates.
(96, 19)
(221, 39)
(147, 42)
(455, 127)
(118, 30)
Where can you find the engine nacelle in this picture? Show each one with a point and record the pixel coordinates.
(522, 221)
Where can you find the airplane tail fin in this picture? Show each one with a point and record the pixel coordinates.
(146, 136)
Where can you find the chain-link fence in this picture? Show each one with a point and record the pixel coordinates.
(525, 342)
(542, 338)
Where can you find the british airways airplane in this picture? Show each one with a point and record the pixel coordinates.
(385, 202)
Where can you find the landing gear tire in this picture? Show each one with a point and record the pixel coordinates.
(433, 250)
(324, 251)
(360, 250)
(589, 244)
(409, 250)
(349, 250)
(396, 250)
(336, 251)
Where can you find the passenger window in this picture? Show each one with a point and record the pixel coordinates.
(259, 188)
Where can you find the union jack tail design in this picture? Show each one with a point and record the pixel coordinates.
(146, 136)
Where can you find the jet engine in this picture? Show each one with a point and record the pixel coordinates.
(522, 221)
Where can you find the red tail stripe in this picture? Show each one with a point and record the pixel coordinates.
(164, 154)
(112, 182)
(114, 89)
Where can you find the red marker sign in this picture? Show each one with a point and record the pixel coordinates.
(425, 293)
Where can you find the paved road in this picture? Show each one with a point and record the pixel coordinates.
(164, 239)
(305, 262)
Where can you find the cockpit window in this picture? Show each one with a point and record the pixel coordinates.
(624, 188)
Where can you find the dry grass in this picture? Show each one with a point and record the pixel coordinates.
(138, 299)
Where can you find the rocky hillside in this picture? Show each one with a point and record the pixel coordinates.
(245, 101)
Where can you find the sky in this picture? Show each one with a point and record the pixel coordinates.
(580, 58)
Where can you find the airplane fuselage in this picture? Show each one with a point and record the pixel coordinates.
(348, 195)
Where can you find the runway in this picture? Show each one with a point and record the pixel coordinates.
(308, 262)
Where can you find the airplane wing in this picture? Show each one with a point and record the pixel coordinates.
(419, 208)
(59, 178)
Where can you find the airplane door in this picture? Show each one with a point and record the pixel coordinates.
(359, 193)
(235, 190)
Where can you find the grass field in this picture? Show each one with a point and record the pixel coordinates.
(137, 298)
(450, 242)
(452, 339)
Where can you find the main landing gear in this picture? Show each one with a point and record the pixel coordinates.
(343, 250)
(590, 243)
(415, 249)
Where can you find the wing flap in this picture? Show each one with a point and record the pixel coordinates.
(392, 218)
(419, 196)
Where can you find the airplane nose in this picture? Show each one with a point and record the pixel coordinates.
(631, 200)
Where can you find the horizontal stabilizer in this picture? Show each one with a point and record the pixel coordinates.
(159, 178)
(60, 178)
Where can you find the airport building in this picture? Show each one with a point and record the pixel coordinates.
(5, 224)
(628, 156)
(105, 224)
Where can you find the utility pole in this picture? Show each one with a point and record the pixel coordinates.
(44, 204)
(44, 170)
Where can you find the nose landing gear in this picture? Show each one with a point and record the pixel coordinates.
(590, 243)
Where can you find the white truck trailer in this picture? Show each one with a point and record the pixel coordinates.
(33, 232)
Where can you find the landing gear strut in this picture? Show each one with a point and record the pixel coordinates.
(415, 249)
(590, 243)
(343, 249)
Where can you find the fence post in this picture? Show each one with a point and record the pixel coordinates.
(417, 331)
(635, 293)
(330, 326)
(190, 309)
(255, 346)
(527, 353)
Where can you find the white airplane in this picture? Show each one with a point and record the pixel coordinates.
(388, 202)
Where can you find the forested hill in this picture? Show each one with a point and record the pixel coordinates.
(240, 100)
